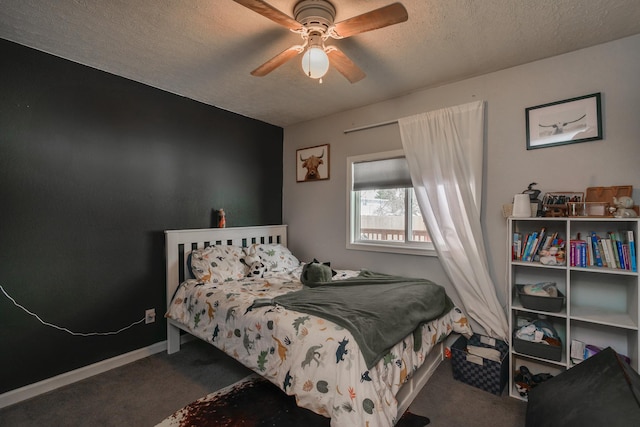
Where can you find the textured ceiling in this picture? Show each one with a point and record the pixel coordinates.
(204, 50)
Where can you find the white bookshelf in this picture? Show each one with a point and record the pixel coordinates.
(602, 305)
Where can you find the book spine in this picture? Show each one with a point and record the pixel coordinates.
(596, 249)
(578, 253)
(547, 242)
(589, 250)
(602, 252)
(632, 251)
(532, 250)
(625, 254)
(527, 249)
(523, 246)
(517, 242)
(608, 250)
(614, 249)
(572, 253)
(623, 265)
(539, 243)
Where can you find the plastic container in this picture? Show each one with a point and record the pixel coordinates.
(588, 209)
(543, 351)
(541, 303)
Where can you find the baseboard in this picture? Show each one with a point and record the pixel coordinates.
(32, 390)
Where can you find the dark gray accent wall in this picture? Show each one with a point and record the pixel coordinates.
(93, 169)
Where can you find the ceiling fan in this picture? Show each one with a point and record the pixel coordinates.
(314, 21)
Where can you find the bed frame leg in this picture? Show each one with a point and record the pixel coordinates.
(173, 338)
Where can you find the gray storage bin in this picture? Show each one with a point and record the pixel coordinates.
(543, 351)
(540, 303)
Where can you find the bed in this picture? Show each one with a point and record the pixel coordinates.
(314, 359)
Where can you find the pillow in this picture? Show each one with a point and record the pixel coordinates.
(215, 264)
(316, 272)
(274, 256)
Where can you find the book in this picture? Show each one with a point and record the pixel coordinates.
(549, 241)
(572, 253)
(527, 249)
(578, 253)
(516, 247)
(596, 250)
(589, 249)
(523, 246)
(623, 263)
(632, 251)
(608, 252)
(603, 249)
(614, 249)
(538, 243)
(604, 257)
(625, 254)
(532, 250)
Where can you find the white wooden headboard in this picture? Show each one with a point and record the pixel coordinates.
(179, 243)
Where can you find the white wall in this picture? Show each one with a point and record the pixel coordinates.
(316, 212)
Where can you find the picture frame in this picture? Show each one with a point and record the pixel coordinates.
(555, 204)
(312, 163)
(564, 122)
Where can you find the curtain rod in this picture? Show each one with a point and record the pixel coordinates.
(375, 125)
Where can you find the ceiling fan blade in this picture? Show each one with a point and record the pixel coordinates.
(378, 18)
(268, 11)
(344, 65)
(277, 61)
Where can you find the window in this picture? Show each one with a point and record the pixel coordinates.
(383, 211)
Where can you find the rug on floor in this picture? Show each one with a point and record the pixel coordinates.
(254, 402)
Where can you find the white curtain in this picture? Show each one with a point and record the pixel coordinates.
(444, 152)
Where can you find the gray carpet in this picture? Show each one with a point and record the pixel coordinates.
(145, 392)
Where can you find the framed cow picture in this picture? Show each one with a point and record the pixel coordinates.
(312, 163)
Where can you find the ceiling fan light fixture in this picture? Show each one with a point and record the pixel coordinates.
(315, 62)
(315, 22)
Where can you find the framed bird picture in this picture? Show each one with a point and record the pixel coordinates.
(564, 122)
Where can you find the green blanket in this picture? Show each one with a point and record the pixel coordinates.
(378, 309)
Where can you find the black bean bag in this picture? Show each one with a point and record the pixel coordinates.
(601, 391)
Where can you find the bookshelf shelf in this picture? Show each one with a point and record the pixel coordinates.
(517, 305)
(604, 270)
(602, 303)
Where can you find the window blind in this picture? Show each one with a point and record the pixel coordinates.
(381, 174)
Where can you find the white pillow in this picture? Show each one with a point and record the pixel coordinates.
(215, 264)
(275, 257)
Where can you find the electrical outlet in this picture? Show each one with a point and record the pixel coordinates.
(150, 315)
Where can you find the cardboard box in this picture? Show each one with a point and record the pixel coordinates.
(485, 374)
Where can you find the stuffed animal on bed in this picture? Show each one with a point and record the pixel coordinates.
(256, 267)
(316, 272)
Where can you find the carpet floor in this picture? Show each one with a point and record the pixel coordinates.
(145, 392)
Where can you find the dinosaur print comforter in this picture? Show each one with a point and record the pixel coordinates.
(306, 356)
